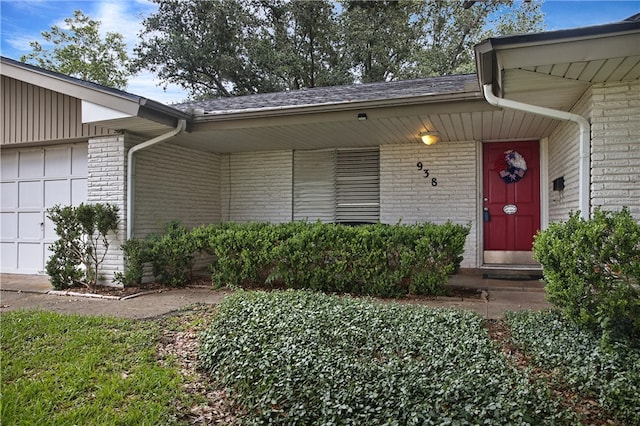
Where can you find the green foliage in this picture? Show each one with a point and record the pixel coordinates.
(83, 242)
(136, 254)
(377, 259)
(380, 37)
(449, 32)
(298, 357)
(77, 370)
(236, 47)
(171, 254)
(81, 52)
(611, 375)
(592, 271)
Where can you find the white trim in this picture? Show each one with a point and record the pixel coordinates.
(544, 183)
(480, 203)
(92, 112)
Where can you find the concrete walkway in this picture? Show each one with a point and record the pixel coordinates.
(32, 292)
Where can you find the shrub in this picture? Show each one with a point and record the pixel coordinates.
(592, 271)
(171, 254)
(136, 254)
(82, 231)
(379, 260)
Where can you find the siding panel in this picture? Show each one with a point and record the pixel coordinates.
(257, 186)
(36, 114)
(175, 183)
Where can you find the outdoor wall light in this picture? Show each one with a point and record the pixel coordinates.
(362, 116)
(430, 138)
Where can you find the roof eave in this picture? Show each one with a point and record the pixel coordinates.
(133, 105)
(267, 112)
(487, 51)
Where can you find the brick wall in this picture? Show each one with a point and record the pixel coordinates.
(106, 183)
(564, 153)
(615, 146)
(407, 196)
(175, 183)
(256, 186)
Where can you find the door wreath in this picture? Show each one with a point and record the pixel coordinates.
(512, 166)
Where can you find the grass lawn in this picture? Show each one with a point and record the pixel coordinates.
(297, 357)
(59, 369)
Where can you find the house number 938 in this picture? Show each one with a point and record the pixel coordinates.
(434, 181)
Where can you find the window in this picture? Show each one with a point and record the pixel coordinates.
(338, 185)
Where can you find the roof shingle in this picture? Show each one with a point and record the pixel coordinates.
(337, 94)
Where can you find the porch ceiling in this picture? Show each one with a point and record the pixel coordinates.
(454, 121)
(560, 85)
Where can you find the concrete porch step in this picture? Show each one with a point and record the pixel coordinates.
(499, 279)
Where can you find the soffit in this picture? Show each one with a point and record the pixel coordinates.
(455, 121)
(556, 74)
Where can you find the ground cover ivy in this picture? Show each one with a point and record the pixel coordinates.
(299, 357)
(610, 373)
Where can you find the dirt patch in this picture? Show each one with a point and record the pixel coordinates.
(212, 406)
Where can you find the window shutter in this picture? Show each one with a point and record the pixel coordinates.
(358, 185)
(314, 186)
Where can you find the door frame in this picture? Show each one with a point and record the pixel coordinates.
(543, 146)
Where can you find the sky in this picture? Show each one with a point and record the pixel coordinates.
(22, 21)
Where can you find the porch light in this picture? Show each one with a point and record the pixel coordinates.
(430, 138)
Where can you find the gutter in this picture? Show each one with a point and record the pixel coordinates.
(584, 175)
(181, 126)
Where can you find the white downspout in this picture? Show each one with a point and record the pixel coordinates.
(182, 125)
(585, 140)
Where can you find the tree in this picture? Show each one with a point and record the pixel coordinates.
(298, 44)
(79, 51)
(235, 47)
(380, 38)
(199, 45)
(450, 31)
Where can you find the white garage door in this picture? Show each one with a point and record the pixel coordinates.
(33, 180)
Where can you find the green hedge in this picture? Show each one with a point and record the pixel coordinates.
(592, 271)
(381, 260)
(376, 259)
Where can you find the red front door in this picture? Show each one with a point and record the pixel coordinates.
(511, 201)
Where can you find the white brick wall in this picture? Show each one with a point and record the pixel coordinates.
(615, 146)
(406, 195)
(106, 183)
(564, 152)
(175, 183)
(257, 186)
